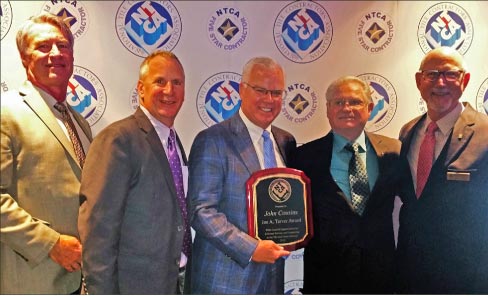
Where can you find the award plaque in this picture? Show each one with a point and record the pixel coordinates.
(279, 207)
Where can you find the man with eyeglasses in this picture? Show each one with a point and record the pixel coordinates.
(226, 259)
(443, 236)
(352, 175)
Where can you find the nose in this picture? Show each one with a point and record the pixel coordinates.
(54, 50)
(441, 80)
(168, 88)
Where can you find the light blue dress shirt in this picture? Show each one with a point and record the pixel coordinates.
(339, 166)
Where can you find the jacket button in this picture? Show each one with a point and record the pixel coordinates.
(180, 228)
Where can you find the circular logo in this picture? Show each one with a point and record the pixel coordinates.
(445, 24)
(218, 97)
(5, 17)
(482, 97)
(384, 99)
(134, 98)
(300, 103)
(293, 287)
(86, 94)
(227, 28)
(375, 31)
(279, 190)
(73, 13)
(303, 31)
(147, 26)
(422, 106)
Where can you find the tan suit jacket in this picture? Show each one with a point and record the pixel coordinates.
(39, 183)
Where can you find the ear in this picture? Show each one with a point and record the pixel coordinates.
(140, 90)
(466, 78)
(25, 59)
(418, 79)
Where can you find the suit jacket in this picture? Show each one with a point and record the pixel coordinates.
(40, 181)
(130, 222)
(222, 158)
(443, 236)
(349, 253)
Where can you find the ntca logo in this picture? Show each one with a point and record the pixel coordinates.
(73, 13)
(147, 26)
(300, 103)
(218, 97)
(445, 24)
(228, 28)
(86, 94)
(384, 99)
(303, 31)
(482, 97)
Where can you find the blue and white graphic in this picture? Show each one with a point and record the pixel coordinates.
(385, 101)
(146, 26)
(303, 31)
(73, 13)
(86, 94)
(482, 97)
(445, 24)
(5, 17)
(218, 97)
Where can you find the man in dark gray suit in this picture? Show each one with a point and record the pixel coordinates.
(222, 158)
(133, 220)
(443, 235)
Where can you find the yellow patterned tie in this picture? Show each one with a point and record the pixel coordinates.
(73, 135)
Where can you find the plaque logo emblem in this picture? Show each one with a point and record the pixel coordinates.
(279, 190)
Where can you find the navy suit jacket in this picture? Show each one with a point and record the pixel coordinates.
(443, 235)
(222, 158)
(349, 253)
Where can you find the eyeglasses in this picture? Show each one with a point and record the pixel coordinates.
(449, 75)
(275, 93)
(352, 103)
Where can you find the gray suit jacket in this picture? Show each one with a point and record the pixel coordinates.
(39, 182)
(222, 158)
(130, 223)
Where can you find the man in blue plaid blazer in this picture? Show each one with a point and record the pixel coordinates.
(226, 260)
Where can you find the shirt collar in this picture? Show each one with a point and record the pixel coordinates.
(161, 128)
(254, 131)
(447, 122)
(340, 142)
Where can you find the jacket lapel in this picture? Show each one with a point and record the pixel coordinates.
(461, 133)
(42, 110)
(243, 143)
(157, 148)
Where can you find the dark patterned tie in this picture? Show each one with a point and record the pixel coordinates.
(426, 157)
(73, 135)
(175, 165)
(268, 148)
(358, 180)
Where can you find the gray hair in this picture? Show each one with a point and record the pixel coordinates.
(263, 61)
(160, 53)
(346, 80)
(43, 18)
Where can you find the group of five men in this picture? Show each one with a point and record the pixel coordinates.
(133, 195)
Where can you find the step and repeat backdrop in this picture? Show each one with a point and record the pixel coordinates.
(382, 42)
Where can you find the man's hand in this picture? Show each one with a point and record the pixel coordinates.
(67, 253)
(268, 252)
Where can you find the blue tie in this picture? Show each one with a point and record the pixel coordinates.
(175, 165)
(269, 155)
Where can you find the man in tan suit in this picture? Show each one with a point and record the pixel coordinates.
(40, 170)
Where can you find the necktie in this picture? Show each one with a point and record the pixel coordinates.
(426, 157)
(358, 180)
(73, 135)
(269, 155)
(175, 165)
